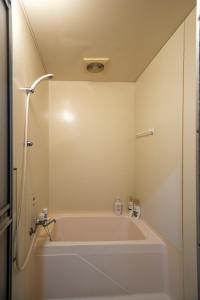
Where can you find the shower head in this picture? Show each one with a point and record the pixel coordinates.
(36, 82)
(44, 77)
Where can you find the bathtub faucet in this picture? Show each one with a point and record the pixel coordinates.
(44, 223)
(48, 222)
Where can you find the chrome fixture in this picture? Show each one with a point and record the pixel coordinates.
(44, 223)
(29, 144)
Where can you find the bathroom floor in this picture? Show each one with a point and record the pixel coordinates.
(122, 297)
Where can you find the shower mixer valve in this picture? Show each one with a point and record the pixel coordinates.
(41, 222)
(29, 144)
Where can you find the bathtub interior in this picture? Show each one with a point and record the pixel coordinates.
(95, 228)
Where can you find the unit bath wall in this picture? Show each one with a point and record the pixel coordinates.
(27, 66)
(165, 98)
(91, 144)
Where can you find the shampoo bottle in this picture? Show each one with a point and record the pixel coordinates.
(137, 209)
(118, 206)
(130, 206)
(45, 212)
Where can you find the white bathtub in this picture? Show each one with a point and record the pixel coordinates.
(101, 255)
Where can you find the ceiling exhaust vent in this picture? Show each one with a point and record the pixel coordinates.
(95, 65)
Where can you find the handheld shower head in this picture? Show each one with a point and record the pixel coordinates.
(36, 82)
(44, 77)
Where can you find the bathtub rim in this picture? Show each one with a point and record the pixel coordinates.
(151, 237)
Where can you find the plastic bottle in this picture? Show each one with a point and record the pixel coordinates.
(41, 217)
(136, 209)
(130, 206)
(118, 206)
(45, 212)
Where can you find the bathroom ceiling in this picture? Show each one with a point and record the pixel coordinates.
(129, 32)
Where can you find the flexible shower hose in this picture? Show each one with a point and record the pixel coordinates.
(21, 266)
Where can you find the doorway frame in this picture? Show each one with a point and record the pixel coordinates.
(6, 212)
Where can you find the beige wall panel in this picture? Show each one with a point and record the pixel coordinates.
(91, 144)
(189, 160)
(26, 68)
(159, 98)
(158, 180)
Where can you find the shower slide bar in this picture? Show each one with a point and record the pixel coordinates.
(145, 133)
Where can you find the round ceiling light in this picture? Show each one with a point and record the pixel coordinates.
(95, 67)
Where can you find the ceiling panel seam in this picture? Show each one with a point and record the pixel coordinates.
(32, 35)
